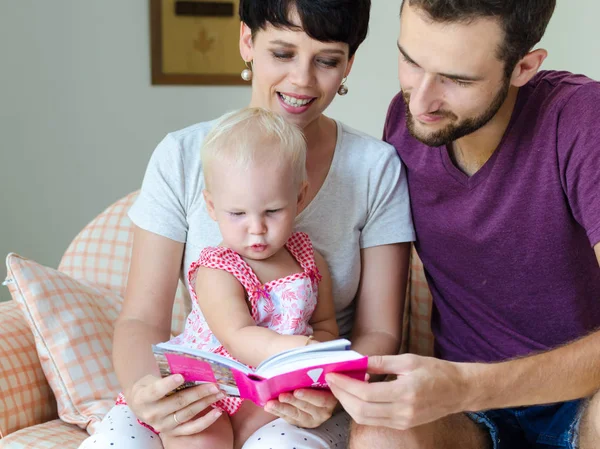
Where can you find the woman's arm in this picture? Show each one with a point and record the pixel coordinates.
(377, 328)
(146, 319)
(323, 320)
(146, 314)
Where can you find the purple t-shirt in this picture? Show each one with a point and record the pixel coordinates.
(508, 252)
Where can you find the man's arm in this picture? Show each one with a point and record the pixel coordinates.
(569, 372)
(428, 389)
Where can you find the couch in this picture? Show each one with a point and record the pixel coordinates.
(98, 260)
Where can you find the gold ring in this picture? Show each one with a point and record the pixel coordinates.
(175, 418)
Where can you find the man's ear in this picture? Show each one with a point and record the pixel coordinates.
(302, 195)
(246, 42)
(527, 67)
(210, 206)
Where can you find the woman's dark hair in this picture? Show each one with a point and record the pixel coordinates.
(523, 21)
(324, 20)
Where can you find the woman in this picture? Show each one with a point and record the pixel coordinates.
(357, 213)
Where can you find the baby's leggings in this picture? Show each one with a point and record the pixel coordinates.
(120, 430)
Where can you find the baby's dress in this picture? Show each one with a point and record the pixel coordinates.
(284, 305)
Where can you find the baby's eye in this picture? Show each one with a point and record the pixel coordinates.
(273, 211)
(236, 214)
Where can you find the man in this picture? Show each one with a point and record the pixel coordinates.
(503, 167)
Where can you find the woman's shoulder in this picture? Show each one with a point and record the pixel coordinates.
(181, 148)
(191, 137)
(355, 140)
(361, 152)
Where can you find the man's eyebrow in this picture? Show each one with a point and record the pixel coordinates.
(408, 58)
(333, 51)
(452, 76)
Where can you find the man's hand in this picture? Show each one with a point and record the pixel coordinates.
(425, 390)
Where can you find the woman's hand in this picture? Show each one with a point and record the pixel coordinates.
(175, 413)
(304, 408)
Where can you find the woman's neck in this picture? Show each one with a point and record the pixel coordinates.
(317, 133)
(321, 138)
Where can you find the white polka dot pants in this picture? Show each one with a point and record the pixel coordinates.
(120, 430)
(333, 434)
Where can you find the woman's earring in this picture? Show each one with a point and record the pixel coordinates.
(343, 89)
(247, 72)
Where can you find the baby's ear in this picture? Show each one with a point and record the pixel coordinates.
(209, 204)
(302, 194)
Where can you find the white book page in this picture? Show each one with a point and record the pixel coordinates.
(307, 360)
(283, 357)
(219, 359)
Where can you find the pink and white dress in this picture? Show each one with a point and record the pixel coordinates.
(284, 305)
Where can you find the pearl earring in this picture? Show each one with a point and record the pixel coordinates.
(247, 72)
(343, 89)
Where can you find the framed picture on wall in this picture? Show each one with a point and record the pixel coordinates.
(195, 42)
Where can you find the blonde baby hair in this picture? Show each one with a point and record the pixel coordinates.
(239, 138)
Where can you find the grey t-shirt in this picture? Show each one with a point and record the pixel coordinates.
(363, 203)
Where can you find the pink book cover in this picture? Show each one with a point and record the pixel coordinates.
(298, 368)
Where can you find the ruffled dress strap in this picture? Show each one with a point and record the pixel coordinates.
(301, 248)
(222, 258)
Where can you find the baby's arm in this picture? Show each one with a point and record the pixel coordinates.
(323, 320)
(222, 300)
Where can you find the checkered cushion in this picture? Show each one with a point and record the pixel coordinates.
(26, 397)
(101, 254)
(99, 258)
(72, 323)
(49, 435)
(71, 312)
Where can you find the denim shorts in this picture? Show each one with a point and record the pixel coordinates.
(540, 426)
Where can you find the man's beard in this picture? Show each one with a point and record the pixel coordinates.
(455, 131)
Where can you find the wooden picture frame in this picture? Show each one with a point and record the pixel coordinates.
(195, 42)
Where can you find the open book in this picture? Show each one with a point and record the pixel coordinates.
(303, 367)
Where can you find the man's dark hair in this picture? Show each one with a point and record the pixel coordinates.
(523, 21)
(324, 20)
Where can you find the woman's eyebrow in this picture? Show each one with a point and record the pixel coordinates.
(282, 43)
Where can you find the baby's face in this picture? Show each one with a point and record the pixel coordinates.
(255, 207)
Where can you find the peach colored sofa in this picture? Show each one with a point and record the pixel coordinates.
(28, 408)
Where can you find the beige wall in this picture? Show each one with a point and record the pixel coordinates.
(79, 118)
